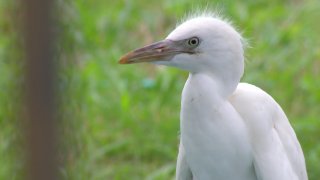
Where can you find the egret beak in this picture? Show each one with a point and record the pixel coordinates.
(159, 51)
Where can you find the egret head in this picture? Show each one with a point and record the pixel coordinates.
(203, 44)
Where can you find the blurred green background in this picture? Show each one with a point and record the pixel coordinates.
(122, 122)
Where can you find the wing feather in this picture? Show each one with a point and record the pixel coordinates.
(277, 152)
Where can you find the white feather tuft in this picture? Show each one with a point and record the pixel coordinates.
(206, 11)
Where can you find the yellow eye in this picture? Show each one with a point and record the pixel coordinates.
(193, 42)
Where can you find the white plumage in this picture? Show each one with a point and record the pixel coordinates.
(229, 130)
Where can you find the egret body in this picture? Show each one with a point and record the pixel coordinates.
(229, 130)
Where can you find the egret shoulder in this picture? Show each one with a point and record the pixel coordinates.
(277, 152)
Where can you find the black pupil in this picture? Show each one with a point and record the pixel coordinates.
(193, 41)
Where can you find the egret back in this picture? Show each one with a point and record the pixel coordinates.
(276, 149)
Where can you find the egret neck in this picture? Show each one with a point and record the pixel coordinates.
(212, 132)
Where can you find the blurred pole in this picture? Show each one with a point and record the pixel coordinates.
(40, 95)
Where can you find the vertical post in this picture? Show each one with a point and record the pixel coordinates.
(40, 94)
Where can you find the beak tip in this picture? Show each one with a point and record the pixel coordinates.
(123, 60)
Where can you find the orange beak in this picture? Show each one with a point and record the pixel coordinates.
(159, 51)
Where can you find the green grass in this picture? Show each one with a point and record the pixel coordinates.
(122, 122)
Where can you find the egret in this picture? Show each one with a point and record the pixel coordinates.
(229, 130)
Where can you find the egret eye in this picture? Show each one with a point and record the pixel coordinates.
(193, 42)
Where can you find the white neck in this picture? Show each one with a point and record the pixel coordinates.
(212, 144)
(222, 71)
(219, 86)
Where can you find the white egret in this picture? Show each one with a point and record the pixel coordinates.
(229, 130)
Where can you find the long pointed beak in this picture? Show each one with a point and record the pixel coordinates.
(159, 51)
